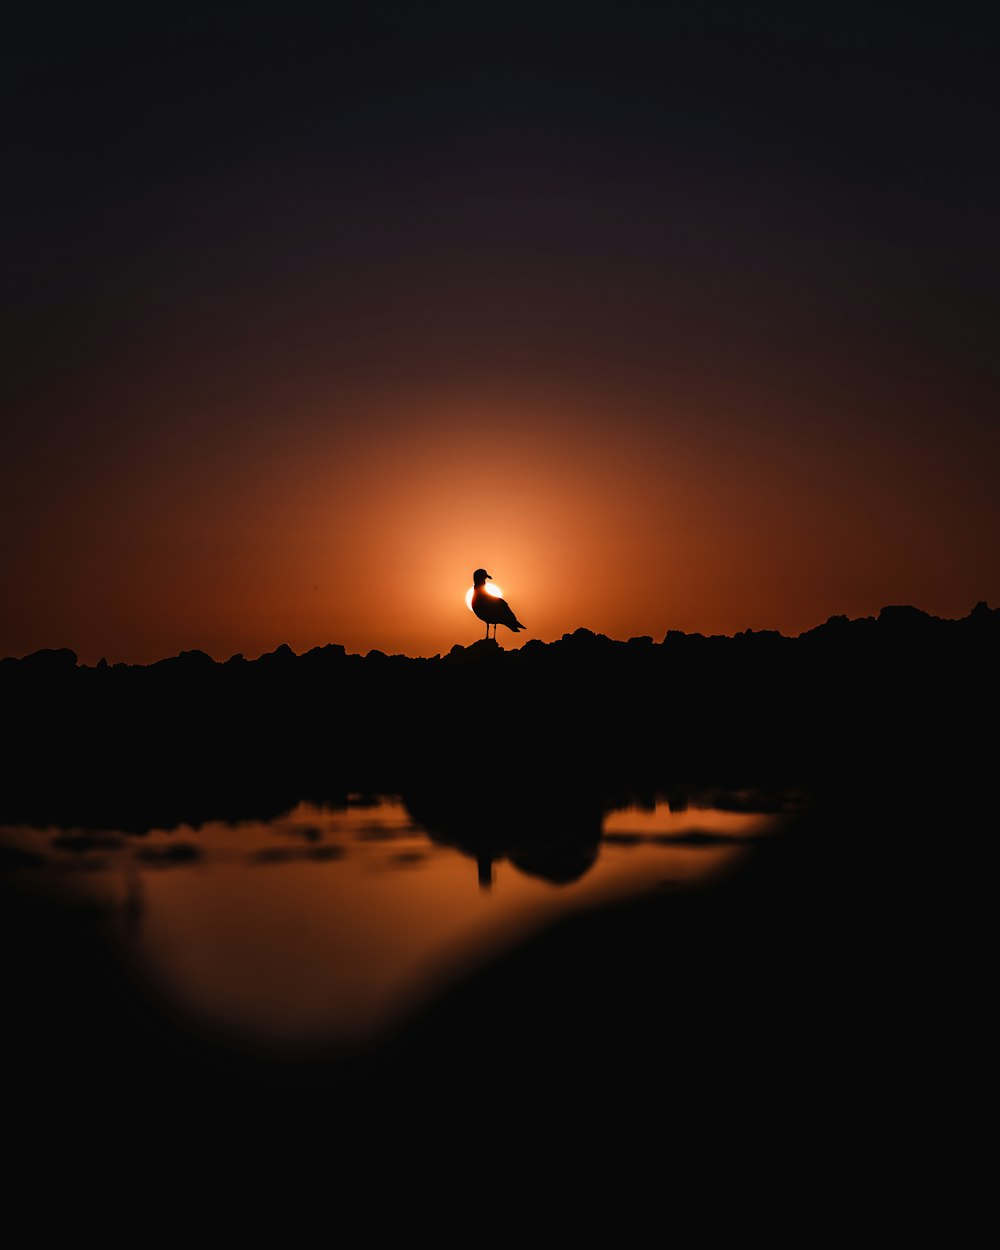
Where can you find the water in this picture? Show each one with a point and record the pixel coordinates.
(327, 924)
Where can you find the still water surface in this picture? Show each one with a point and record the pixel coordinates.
(327, 923)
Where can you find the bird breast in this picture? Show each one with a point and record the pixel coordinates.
(486, 606)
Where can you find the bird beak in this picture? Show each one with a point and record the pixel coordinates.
(488, 577)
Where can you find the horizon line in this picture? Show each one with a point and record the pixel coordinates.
(284, 649)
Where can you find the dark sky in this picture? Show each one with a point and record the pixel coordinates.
(682, 316)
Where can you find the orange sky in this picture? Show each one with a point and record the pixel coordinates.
(675, 519)
(289, 359)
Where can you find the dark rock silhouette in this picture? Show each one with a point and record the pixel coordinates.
(48, 661)
(897, 692)
(545, 831)
(828, 990)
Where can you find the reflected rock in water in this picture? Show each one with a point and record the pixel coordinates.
(548, 832)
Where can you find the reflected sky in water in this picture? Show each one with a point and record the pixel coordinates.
(325, 925)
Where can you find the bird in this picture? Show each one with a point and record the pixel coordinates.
(491, 608)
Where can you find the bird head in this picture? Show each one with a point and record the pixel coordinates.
(480, 576)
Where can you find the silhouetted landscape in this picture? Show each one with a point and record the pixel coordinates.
(805, 991)
(849, 703)
(649, 318)
(201, 737)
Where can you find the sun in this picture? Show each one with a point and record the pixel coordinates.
(490, 588)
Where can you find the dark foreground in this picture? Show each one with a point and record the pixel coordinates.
(804, 1040)
(793, 1026)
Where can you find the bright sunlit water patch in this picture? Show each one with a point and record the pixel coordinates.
(662, 822)
(327, 923)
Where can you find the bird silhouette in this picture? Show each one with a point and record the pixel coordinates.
(490, 608)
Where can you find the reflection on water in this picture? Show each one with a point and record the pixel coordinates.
(325, 924)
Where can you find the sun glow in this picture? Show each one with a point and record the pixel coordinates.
(490, 588)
